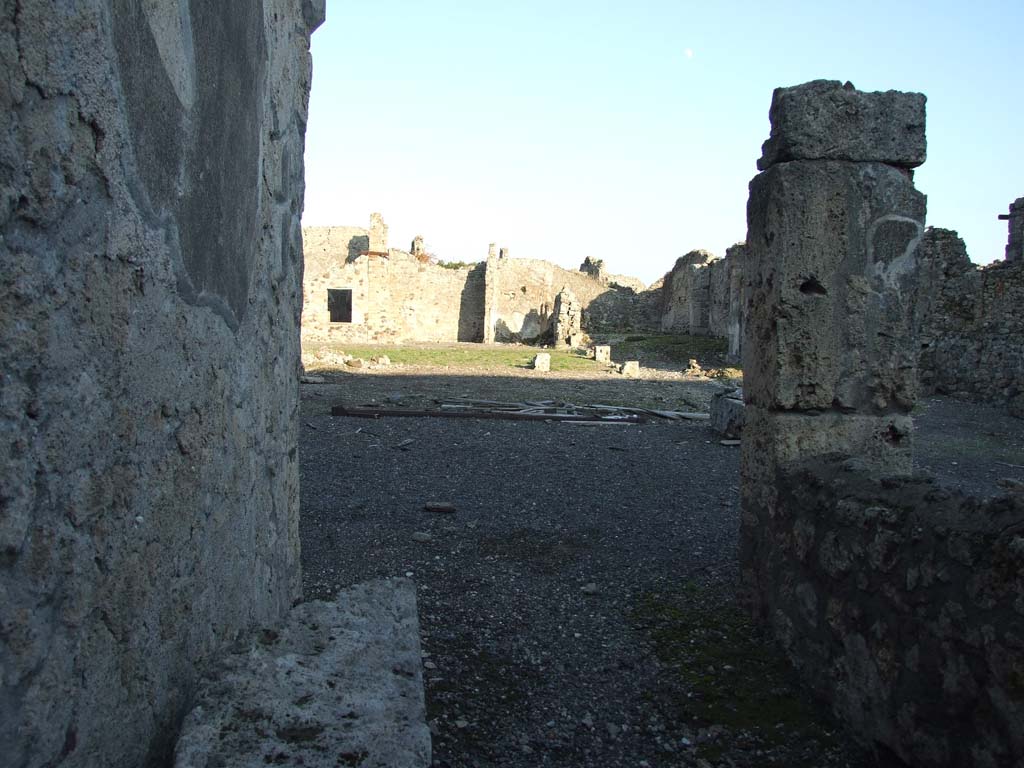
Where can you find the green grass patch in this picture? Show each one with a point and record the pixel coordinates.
(709, 351)
(477, 357)
(735, 674)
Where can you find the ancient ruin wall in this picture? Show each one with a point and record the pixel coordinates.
(522, 294)
(397, 297)
(150, 262)
(972, 326)
(834, 233)
(736, 256)
(684, 294)
(903, 603)
(718, 297)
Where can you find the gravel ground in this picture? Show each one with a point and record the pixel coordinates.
(974, 447)
(577, 607)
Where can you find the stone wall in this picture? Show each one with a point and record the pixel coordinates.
(718, 297)
(855, 577)
(684, 294)
(971, 324)
(700, 295)
(902, 603)
(150, 261)
(523, 291)
(396, 296)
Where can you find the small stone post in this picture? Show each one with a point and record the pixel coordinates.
(830, 358)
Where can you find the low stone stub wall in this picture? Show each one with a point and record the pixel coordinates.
(903, 604)
(395, 298)
(971, 324)
(151, 187)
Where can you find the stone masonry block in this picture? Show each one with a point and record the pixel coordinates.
(832, 276)
(602, 354)
(339, 682)
(773, 441)
(631, 368)
(826, 120)
(727, 413)
(542, 361)
(881, 442)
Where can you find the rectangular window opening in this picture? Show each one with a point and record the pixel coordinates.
(339, 304)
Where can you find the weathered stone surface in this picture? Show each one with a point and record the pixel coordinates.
(832, 273)
(1015, 223)
(150, 256)
(631, 368)
(394, 299)
(602, 353)
(685, 294)
(727, 413)
(567, 319)
(338, 683)
(542, 361)
(736, 256)
(826, 120)
(970, 323)
(901, 603)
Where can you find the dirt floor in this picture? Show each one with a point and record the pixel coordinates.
(577, 607)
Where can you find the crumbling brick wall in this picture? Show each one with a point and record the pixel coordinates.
(971, 324)
(150, 259)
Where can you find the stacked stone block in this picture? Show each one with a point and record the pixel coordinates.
(834, 222)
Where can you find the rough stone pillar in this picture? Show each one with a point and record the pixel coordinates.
(151, 186)
(834, 223)
(492, 281)
(417, 246)
(736, 256)
(378, 234)
(1015, 240)
(503, 253)
(567, 318)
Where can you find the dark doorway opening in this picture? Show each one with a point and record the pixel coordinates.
(339, 304)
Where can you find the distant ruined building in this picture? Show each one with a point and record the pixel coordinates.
(357, 290)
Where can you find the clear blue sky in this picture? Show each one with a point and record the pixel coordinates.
(628, 131)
